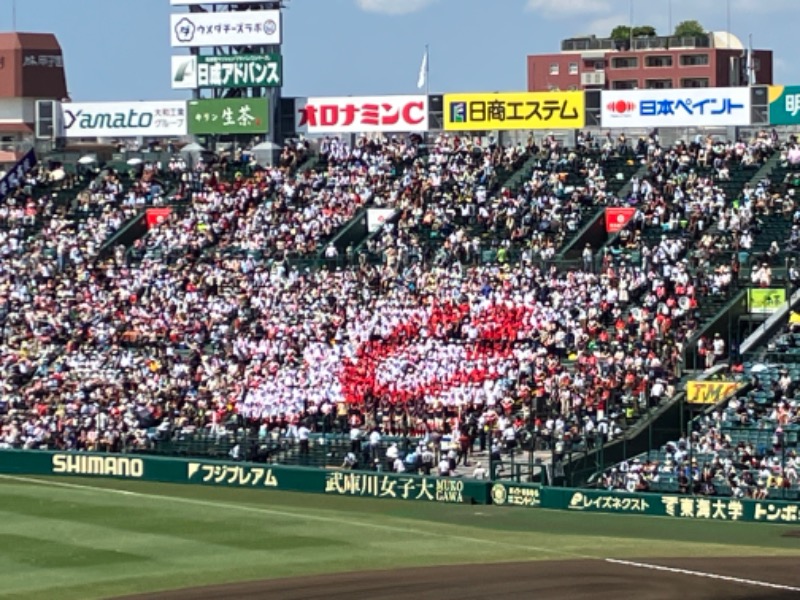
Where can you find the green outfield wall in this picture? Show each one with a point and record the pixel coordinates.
(244, 475)
(392, 486)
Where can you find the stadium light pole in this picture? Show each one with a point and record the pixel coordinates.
(630, 18)
(728, 22)
(669, 18)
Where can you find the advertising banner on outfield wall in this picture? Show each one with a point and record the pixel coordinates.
(686, 107)
(393, 486)
(363, 114)
(784, 105)
(230, 71)
(710, 392)
(240, 28)
(124, 119)
(514, 110)
(246, 475)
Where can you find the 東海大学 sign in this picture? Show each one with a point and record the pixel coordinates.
(124, 119)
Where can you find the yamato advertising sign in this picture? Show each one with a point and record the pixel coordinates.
(124, 119)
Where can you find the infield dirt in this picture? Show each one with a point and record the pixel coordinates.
(558, 580)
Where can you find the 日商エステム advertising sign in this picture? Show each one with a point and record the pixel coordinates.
(784, 104)
(226, 116)
(364, 114)
(230, 71)
(702, 107)
(124, 119)
(514, 110)
(240, 28)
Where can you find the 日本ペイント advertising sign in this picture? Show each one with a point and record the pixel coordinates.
(240, 28)
(364, 114)
(231, 71)
(703, 107)
(124, 119)
(226, 116)
(516, 110)
(784, 104)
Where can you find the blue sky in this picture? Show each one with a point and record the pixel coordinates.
(119, 49)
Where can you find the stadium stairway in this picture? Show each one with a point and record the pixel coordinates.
(619, 170)
(776, 226)
(621, 186)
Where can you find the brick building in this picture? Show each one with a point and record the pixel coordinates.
(31, 69)
(712, 60)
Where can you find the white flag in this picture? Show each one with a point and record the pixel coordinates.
(423, 70)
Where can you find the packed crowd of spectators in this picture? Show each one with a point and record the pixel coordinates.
(97, 354)
(713, 460)
(453, 206)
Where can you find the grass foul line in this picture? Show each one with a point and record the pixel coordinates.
(766, 584)
(281, 513)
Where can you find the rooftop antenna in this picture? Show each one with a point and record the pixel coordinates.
(13, 15)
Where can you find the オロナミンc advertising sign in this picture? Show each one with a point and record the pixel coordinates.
(514, 110)
(686, 107)
(124, 119)
(364, 114)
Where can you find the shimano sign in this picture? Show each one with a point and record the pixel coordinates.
(124, 119)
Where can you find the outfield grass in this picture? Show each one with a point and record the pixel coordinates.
(93, 538)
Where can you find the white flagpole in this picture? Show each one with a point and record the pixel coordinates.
(422, 79)
(427, 70)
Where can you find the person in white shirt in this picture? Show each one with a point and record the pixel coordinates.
(479, 472)
(444, 467)
(375, 445)
(392, 454)
(719, 347)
